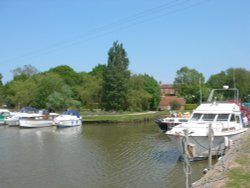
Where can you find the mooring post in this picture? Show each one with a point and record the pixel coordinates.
(186, 159)
(210, 140)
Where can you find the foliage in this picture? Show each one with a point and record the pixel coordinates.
(59, 101)
(190, 107)
(25, 72)
(21, 93)
(175, 105)
(67, 73)
(233, 77)
(89, 90)
(153, 89)
(46, 84)
(138, 97)
(188, 83)
(115, 79)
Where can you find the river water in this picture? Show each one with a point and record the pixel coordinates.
(91, 156)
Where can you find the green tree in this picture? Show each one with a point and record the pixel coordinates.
(233, 77)
(46, 84)
(67, 73)
(89, 90)
(115, 79)
(25, 72)
(138, 97)
(188, 83)
(59, 101)
(21, 93)
(153, 89)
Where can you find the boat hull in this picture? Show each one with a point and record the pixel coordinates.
(68, 123)
(35, 123)
(165, 126)
(200, 144)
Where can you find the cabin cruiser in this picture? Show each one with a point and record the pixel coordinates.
(69, 118)
(212, 127)
(35, 120)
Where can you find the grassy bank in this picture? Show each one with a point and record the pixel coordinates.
(122, 117)
(231, 171)
(239, 173)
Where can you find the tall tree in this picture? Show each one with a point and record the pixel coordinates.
(188, 83)
(25, 72)
(153, 89)
(115, 79)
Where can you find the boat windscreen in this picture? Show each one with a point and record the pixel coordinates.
(196, 116)
(208, 117)
(222, 117)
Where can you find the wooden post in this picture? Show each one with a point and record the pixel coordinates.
(186, 159)
(210, 140)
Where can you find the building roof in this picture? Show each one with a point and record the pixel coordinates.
(166, 86)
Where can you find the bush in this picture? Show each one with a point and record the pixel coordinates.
(190, 107)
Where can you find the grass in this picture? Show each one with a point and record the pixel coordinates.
(122, 117)
(239, 176)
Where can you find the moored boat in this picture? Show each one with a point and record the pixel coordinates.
(168, 123)
(4, 113)
(223, 121)
(37, 120)
(69, 118)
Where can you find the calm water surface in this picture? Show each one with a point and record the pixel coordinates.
(91, 156)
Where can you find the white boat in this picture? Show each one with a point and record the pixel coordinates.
(37, 120)
(4, 113)
(69, 118)
(168, 123)
(13, 119)
(220, 122)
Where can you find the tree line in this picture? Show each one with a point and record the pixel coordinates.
(111, 86)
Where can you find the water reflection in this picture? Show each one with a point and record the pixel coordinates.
(90, 156)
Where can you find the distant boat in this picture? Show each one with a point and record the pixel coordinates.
(4, 113)
(69, 118)
(13, 119)
(222, 120)
(168, 123)
(37, 120)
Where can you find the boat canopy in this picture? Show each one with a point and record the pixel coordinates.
(71, 112)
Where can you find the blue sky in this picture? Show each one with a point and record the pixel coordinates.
(160, 36)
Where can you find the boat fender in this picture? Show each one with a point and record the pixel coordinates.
(191, 150)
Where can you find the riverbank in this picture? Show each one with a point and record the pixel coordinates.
(137, 117)
(232, 170)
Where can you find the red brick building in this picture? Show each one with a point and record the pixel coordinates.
(168, 96)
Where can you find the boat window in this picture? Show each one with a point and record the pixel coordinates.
(196, 116)
(232, 119)
(238, 119)
(208, 117)
(183, 120)
(222, 117)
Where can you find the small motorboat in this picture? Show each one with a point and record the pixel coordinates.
(168, 123)
(69, 118)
